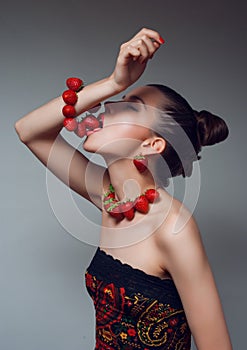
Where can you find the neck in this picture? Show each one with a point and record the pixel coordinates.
(127, 181)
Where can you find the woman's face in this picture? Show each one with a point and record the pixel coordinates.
(127, 123)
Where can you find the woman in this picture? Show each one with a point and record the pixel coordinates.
(151, 288)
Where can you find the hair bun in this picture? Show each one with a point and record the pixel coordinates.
(211, 128)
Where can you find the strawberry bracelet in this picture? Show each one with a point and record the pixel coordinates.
(70, 98)
(85, 126)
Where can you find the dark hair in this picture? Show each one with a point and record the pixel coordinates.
(199, 129)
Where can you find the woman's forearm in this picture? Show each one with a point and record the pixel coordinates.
(47, 120)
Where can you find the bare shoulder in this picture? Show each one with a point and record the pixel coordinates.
(181, 243)
(183, 254)
(179, 230)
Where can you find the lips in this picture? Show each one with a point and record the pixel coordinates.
(90, 132)
(93, 124)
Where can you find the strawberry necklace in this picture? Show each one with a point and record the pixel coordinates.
(126, 209)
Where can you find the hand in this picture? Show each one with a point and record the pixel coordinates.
(133, 57)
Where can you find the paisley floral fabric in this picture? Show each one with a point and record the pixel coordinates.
(135, 310)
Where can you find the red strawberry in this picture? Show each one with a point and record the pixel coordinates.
(108, 196)
(109, 203)
(141, 204)
(70, 124)
(70, 97)
(152, 195)
(91, 122)
(128, 210)
(74, 84)
(141, 163)
(114, 211)
(111, 191)
(81, 129)
(69, 111)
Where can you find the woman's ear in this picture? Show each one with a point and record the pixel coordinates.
(158, 144)
(154, 145)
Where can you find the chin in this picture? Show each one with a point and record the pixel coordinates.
(92, 146)
(89, 146)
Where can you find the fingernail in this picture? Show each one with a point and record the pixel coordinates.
(161, 40)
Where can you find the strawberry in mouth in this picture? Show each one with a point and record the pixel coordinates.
(89, 125)
(81, 126)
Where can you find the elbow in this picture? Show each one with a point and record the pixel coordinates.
(21, 132)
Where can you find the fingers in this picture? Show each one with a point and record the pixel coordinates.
(143, 45)
(141, 50)
(133, 51)
(151, 34)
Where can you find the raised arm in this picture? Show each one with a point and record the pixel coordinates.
(40, 129)
(40, 132)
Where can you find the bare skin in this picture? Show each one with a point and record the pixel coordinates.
(157, 251)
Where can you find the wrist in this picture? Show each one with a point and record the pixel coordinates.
(117, 88)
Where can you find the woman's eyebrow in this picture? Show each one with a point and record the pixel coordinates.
(134, 97)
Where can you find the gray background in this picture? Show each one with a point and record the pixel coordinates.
(43, 303)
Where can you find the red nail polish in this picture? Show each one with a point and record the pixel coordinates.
(161, 40)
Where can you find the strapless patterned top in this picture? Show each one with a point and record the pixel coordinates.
(135, 310)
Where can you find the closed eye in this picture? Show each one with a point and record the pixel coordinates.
(136, 100)
(132, 106)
